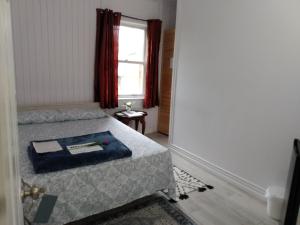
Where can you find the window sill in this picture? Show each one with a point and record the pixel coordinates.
(131, 98)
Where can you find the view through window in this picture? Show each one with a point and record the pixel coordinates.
(132, 45)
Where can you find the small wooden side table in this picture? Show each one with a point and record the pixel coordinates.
(140, 118)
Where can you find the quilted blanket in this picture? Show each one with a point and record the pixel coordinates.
(92, 189)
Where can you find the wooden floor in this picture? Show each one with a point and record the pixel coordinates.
(225, 205)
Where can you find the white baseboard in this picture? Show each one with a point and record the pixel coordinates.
(237, 181)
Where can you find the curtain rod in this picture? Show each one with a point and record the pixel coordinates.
(134, 18)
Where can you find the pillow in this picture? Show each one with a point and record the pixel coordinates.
(38, 116)
(59, 115)
(80, 114)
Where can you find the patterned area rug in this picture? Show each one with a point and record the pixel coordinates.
(186, 183)
(153, 210)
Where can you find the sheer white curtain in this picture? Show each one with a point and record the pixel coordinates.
(10, 204)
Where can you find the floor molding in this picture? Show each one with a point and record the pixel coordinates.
(237, 181)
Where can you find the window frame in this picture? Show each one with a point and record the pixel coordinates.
(139, 25)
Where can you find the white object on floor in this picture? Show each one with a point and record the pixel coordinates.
(275, 199)
(47, 146)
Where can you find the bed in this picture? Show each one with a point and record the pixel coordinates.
(89, 190)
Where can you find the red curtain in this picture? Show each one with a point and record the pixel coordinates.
(106, 58)
(153, 34)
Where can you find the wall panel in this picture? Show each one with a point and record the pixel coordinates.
(54, 50)
(54, 43)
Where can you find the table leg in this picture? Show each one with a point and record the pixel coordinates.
(143, 122)
(137, 124)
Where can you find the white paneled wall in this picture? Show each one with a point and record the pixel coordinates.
(54, 50)
(54, 44)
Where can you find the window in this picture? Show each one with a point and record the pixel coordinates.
(132, 48)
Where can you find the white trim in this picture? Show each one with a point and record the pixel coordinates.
(132, 62)
(131, 97)
(174, 72)
(237, 181)
(10, 189)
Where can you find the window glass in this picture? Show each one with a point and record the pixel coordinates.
(131, 44)
(131, 79)
(131, 61)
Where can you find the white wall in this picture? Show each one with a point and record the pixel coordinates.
(54, 43)
(169, 13)
(54, 47)
(237, 101)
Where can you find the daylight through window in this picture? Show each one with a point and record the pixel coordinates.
(132, 45)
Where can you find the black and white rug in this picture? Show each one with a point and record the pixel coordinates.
(152, 210)
(186, 183)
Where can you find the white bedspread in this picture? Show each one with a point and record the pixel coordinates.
(93, 189)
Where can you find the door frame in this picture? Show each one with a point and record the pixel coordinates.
(11, 211)
(175, 69)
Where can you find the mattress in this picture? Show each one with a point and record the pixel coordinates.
(93, 189)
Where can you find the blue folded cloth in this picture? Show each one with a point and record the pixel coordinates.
(61, 160)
